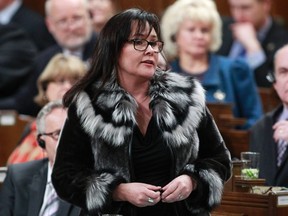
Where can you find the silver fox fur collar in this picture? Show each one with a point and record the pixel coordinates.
(168, 91)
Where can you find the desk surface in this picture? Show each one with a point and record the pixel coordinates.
(251, 204)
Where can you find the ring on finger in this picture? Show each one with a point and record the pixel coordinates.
(180, 197)
(150, 200)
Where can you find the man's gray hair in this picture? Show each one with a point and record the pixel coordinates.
(47, 6)
(48, 108)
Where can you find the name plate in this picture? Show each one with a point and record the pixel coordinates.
(282, 200)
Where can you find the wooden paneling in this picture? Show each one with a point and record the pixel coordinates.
(11, 128)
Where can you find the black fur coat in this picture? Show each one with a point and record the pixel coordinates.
(93, 153)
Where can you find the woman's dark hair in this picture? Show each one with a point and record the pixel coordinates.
(109, 45)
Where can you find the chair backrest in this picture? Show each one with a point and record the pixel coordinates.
(223, 115)
(237, 141)
(269, 97)
(11, 128)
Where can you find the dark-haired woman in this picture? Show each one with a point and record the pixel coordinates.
(137, 140)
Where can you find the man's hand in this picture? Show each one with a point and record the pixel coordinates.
(246, 34)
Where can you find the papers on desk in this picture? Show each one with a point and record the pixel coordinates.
(281, 192)
(3, 171)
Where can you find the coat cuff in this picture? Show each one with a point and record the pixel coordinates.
(99, 191)
(208, 193)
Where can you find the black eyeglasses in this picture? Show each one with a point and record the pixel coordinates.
(142, 44)
(54, 134)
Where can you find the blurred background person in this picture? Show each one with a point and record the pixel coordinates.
(13, 11)
(253, 35)
(17, 53)
(101, 12)
(57, 78)
(70, 23)
(269, 135)
(191, 32)
(27, 189)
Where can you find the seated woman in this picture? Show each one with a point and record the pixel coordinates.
(57, 78)
(192, 32)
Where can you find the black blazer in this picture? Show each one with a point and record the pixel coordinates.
(261, 140)
(23, 100)
(276, 37)
(17, 54)
(34, 24)
(23, 191)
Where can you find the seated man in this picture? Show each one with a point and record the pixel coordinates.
(269, 135)
(69, 22)
(252, 34)
(27, 188)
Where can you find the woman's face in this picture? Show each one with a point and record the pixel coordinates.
(101, 11)
(138, 65)
(56, 89)
(194, 38)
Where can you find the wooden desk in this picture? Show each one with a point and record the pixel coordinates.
(249, 204)
(237, 201)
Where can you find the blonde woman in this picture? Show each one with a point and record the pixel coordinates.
(57, 78)
(191, 32)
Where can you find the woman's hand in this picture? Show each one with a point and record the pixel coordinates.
(178, 189)
(138, 194)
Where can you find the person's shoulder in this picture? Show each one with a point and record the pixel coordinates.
(278, 32)
(45, 56)
(27, 165)
(227, 21)
(27, 14)
(27, 169)
(12, 32)
(279, 24)
(234, 63)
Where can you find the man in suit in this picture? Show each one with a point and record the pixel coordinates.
(269, 135)
(69, 22)
(252, 34)
(17, 53)
(25, 190)
(13, 11)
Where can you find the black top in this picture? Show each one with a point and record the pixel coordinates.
(152, 165)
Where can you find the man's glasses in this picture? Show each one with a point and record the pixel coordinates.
(54, 134)
(142, 45)
(75, 21)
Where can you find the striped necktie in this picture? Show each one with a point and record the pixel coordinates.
(282, 146)
(52, 202)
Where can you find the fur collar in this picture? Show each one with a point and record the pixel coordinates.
(177, 104)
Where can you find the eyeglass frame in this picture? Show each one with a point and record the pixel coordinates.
(65, 22)
(148, 43)
(54, 134)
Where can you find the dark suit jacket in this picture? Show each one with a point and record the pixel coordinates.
(23, 100)
(17, 54)
(276, 37)
(34, 24)
(23, 191)
(262, 141)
